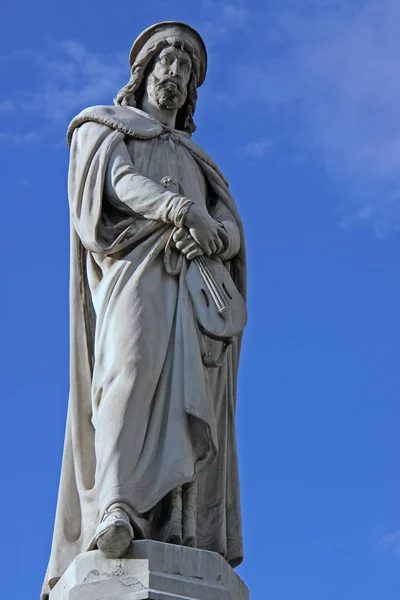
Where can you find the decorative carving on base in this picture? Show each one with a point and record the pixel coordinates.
(151, 570)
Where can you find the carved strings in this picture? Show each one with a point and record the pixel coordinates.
(217, 293)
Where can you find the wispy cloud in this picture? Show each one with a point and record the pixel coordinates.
(392, 542)
(223, 20)
(333, 70)
(68, 77)
(255, 149)
(71, 78)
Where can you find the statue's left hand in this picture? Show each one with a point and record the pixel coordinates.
(186, 244)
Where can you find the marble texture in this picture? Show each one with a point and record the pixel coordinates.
(151, 570)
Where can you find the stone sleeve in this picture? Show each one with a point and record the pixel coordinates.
(230, 231)
(142, 195)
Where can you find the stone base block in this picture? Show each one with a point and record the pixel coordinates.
(151, 570)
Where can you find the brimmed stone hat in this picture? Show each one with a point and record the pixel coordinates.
(166, 29)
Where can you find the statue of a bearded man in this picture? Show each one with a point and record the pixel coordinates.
(150, 448)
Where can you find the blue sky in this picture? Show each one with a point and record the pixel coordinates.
(300, 110)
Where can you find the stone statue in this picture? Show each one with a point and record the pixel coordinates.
(150, 448)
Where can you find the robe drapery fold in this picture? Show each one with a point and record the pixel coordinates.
(148, 424)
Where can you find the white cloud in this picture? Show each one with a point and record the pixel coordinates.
(233, 16)
(255, 149)
(68, 78)
(224, 19)
(333, 69)
(392, 541)
(71, 78)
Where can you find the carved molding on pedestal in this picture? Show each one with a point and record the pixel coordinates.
(152, 570)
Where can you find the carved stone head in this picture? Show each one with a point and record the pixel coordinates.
(169, 60)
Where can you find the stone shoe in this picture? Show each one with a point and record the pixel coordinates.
(115, 532)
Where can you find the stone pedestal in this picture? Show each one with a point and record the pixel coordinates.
(154, 571)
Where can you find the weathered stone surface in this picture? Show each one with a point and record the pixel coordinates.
(152, 570)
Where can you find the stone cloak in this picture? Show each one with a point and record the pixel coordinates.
(77, 510)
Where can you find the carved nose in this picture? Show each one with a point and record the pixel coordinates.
(173, 69)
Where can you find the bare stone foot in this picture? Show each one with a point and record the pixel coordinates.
(115, 532)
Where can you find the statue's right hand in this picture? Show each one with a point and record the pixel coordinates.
(203, 229)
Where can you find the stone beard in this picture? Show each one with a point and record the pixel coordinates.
(150, 446)
(166, 94)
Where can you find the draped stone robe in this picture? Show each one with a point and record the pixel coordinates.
(148, 424)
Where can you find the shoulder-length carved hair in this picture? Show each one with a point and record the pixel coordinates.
(132, 93)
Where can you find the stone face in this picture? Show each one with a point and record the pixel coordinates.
(152, 570)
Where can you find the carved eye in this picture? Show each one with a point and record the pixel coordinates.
(166, 60)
